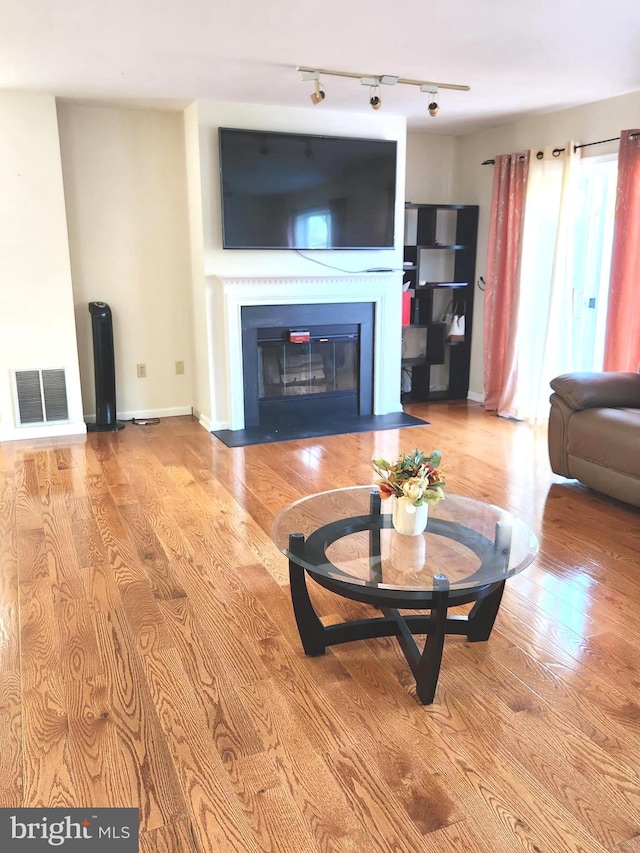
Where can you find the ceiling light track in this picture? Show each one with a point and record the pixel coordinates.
(385, 79)
(374, 81)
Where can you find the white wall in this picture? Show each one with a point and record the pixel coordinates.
(432, 172)
(432, 169)
(221, 263)
(37, 327)
(126, 194)
(602, 120)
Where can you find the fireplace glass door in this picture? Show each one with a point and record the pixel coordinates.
(321, 366)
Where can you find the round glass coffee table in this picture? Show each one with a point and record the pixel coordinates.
(344, 540)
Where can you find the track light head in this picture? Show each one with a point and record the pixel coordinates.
(375, 102)
(432, 90)
(318, 96)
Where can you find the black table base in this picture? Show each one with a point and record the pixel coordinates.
(425, 665)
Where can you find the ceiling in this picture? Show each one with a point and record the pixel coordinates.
(519, 58)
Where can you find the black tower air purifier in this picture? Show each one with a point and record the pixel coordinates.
(104, 369)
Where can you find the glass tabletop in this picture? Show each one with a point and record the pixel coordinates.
(467, 543)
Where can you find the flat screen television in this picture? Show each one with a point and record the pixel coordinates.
(296, 191)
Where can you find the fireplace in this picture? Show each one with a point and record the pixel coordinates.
(306, 363)
(227, 298)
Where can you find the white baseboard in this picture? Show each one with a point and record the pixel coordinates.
(147, 413)
(475, 397)
(45, 431)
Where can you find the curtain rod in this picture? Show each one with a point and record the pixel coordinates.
(557, 151)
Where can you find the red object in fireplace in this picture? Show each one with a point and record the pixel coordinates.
(299, 337)
(406, 307)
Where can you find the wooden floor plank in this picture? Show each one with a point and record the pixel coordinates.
(148, 775)
(231, 726)
(527, 810)
(320, 795)
(606, 717)
(175, 837)
(603, 797)
(12, 751)
(219, 822)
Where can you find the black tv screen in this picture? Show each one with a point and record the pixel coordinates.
(294, 191)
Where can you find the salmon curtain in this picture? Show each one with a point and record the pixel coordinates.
(542, 323)
(622, 341)
(503, 272)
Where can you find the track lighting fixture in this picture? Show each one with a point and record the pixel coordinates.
(374, 82)
(318, 96)
(375, 101)
(432, 90)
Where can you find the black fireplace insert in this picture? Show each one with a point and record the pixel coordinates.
(307, 363)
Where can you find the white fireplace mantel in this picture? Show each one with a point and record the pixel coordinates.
(227, 296)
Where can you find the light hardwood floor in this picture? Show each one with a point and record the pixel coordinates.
(149, 656)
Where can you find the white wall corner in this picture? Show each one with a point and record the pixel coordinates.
(206, 422)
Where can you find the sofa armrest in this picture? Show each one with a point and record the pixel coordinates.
(558, 435)
(598, 390)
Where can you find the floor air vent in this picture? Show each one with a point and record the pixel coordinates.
(41, 397)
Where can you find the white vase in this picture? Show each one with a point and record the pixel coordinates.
(408, 519)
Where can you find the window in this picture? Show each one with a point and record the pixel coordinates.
(313, 229)
(593, 235)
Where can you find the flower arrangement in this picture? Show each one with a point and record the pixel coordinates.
(413, 476)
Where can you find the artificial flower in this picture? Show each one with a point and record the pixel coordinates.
(413, 476)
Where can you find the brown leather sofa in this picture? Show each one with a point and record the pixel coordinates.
(594, 432)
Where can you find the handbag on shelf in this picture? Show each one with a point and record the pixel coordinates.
(453, 318)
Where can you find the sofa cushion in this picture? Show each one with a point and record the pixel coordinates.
(607, 437)
(589, 390)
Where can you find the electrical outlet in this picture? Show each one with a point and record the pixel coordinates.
(179, 367)
(142, 371)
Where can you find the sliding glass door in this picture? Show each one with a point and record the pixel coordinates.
(595, 209)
